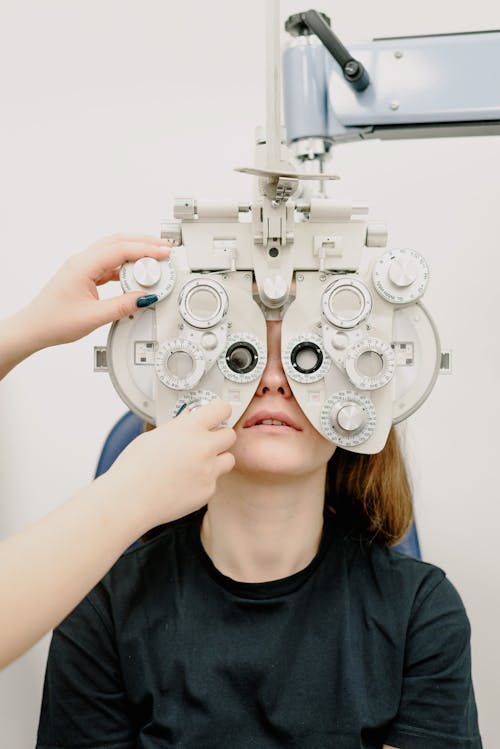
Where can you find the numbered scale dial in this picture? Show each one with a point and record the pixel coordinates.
(348, 418)
(148, 275)
(179, 364)
(193, 399)
(401, 276)
(370, 363)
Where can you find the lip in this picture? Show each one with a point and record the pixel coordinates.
(276, 415)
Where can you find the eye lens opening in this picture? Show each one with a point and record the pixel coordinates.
(306, 357)
(203, 303)
(180, 364)
(346, 304)
(370, 364)
(242, 357)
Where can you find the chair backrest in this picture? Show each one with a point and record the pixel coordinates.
(409, 545)
(130, 426)
(124, 431)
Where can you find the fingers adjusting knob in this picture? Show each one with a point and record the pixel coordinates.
(147, 271)
(157, 276)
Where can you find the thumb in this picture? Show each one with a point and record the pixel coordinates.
(123, 305)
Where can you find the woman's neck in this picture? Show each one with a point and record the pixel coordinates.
(257, 530)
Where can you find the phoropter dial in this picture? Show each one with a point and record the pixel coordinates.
(179, 364)
(193, 400)
(305, 360)
(348, 418)
(203, 303)
(346, 302)
(370, 363)
(149, 275)
(401, 276)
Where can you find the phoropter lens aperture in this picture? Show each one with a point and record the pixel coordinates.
(306, 357)
(242, 357)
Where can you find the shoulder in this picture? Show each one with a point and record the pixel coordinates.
(429, 584)
(437, 698)
(390, 581)
(373, 562)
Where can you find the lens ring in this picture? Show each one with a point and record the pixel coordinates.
(289, 359)
(254, 346)
(243, 349)
(370, 345)
(214, 291)
(302, 347)
(354, 289)
(170, 379)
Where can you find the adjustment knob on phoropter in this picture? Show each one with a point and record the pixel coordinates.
(401, 276)
(156, 276)
(274, 290)
(147, 271)
(403, 271)
(348, 418)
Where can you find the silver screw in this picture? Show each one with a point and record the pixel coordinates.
(398, 54)
(299, 277)
(394, 105)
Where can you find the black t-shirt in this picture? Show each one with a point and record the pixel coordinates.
(362, 647)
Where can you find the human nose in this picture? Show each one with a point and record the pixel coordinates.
(273, 380)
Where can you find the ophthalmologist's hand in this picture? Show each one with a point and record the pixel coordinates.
(68, 307)
(172, 470)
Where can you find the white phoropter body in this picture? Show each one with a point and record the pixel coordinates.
(358, 348)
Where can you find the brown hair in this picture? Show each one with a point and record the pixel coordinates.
(370, 495)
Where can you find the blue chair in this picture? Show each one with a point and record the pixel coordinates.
(124, 431)
(130, 426)
(409, 544)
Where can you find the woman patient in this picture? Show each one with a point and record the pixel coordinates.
(276, 615)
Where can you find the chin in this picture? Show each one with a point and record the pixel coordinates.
(274, 461)
(280, 454)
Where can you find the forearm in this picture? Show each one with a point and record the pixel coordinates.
(48, 568)
(17, 342)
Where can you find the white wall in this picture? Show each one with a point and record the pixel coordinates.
(111, 107)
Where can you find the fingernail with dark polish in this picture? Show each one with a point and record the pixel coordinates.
(145, 301)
